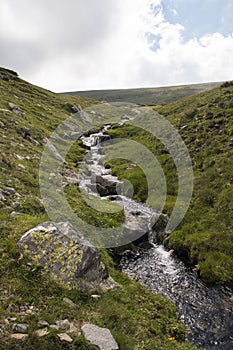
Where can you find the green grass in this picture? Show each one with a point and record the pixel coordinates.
(144, 322)
(205, 122)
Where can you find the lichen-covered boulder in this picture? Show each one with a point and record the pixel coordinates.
(66, 256)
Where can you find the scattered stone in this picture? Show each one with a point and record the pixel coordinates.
(66, 256)
(131, 166)
(11, 190)
(65, 337)
(19, 157)
(12, 319)
(73, 328)
(36, 143)
(95, 297)
(63, 324)
(20, 328)
(100, 337)
(69, 302)
(29, 312)
(3, 195)
(15, 213)
(19, 336)
(43, 324)
(41, 332)
(17, 110)
(21, 166)
(54, 327)
(25, 132)
(15, 205)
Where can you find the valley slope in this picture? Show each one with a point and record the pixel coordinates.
(29, 114)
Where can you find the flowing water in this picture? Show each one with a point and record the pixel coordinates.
(207, 312)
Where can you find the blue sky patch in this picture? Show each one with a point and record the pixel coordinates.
(200, 17)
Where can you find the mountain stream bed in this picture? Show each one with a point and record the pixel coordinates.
(206, 312)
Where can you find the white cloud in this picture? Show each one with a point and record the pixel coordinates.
(79, 45)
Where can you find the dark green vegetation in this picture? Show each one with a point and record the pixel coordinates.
(147, 96)
(144, 321)
(205, 236)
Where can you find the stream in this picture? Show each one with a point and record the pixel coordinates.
(206, 312)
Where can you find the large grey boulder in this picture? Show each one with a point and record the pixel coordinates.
(66, 256)
(100, 337)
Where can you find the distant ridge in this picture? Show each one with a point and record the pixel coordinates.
(147, 96)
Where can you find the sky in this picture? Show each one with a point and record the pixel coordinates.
(105, 44)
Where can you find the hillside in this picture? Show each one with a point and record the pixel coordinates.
(28, 115)
(204, 238)
(146, 96)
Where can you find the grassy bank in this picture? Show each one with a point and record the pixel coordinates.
(205, 122)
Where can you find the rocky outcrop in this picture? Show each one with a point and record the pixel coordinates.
(100, 337)
(66, 256)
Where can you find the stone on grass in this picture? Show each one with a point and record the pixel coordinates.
(17, 110)
(41, 333)
(69, 302)
(63, 324)
(65, 337)
(20, 328)
(73, 328)
(100, 337)
(19, 336)
(11, 190)
(66, 256)
(43, 324)
(95, 297)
